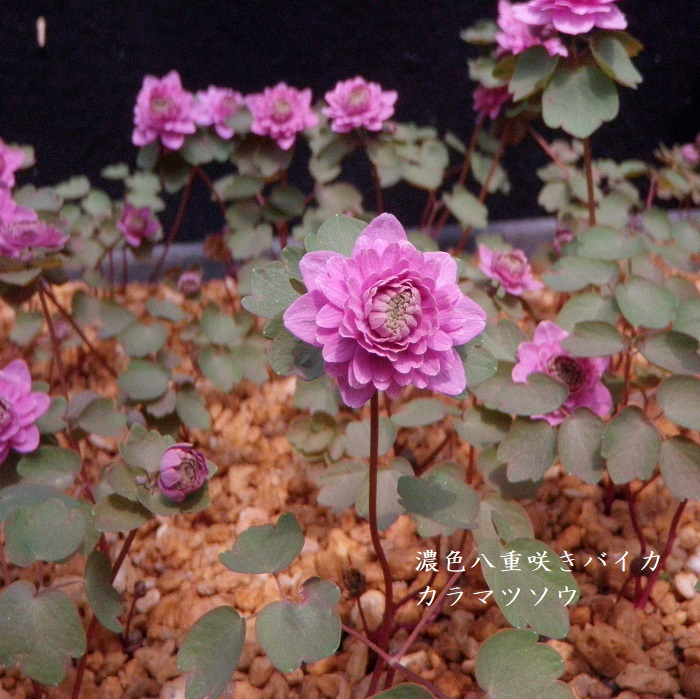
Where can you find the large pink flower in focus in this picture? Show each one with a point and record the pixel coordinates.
(138, 224)
(387, 316)
(215, 106)
(489, 101)
(510, 269)
(572, 16)
(281, 112)
(11, 160)
(19, 409)
(354, 103)
(164, 110)
(515, 36)
(581, 375)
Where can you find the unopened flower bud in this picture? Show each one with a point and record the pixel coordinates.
(189, 283)
(183, 470)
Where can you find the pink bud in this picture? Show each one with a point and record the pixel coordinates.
(183, 470)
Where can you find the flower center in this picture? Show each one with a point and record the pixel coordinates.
(188, 471)
(137, 223)
(569, 371)
(395, 312)
(229, 105)
(162, 106)
(511, 263)
(281, 110)
(5, 413)
(358, 99)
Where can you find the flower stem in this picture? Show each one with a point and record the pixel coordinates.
(92, 626)
(464, 173)
(485, 187)
(413, 676)
(385, 627)
(588, 160)
(69, 318)
(549, 151)
(176, 225)
(55, 348)
(646, 592)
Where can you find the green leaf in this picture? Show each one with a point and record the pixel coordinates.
(53, 466)
(502, 340)
(105, 601)
(219, 327)
(267, 548)
(479, 363)
(419, 412)
(289, 355)
(539, 396)
(211, 651)
(53, 420)
(144, 449)
(247, 243)
(51, 531)
(283, 203)
(339, 197)
(167, 310)
(113, 318)
(116, 513)
(538, 568)
(482, 427)
(51, 632)
(357, 437)
(630, 446)
(192, 409)
(143, 380)
(605, 243)
(509, 519)
(217, 365)
(291, 633)
(441, 498)
(119, 171)
(272, 291)
(339, 485)
(140, 340)
(578, 441)
(532, 70)
(74, 188)
(316, 396)
(576, 273)
(593, 339)
(99, 417)
(688, 318)
(679, 461)
(27, 326)
(591, 306)
(528, 449)
(613, 60)
(483, 32)
(657, 224)
(532, 667)
(388, 507)
(676, 352)
(579, 99)
(496, 477)
(687, 235)
(338, 233)
(646, 304)
(679, 397)
(466, 208)
(97, 204)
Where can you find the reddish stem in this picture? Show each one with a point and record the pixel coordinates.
(549, 151)
(588, 160)
(92, 626)
(385, 627)
(176, 225)
(646, 592)
(632, 503)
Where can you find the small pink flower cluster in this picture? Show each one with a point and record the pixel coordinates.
(510, 269)
(536, 23)
(19, 409)
(138, 224)
(21, 231)
(691, 152)
(165, 111)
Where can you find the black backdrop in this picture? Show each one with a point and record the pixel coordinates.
(73, 99)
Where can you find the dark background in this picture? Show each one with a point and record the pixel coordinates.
(73, 100)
